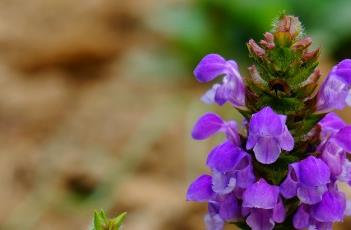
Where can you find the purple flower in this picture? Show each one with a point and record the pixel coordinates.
(322, 215)
(232, 88)
(268, 135)
(211, 123)
(330, 124)
(231, 168)
(263, 206)
(221, 208)
(307, 180)
(335, 90)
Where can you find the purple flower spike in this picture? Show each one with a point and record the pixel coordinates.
(268, 134)
(307, 179)
(232, 88)
(201, 189)
(335, 90)
(211, 123)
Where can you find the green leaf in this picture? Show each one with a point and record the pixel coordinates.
(117, 222)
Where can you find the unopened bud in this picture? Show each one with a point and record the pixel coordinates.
(255, 48)
(289, 24)
(268, 41)
(311, 55)
(302, 44)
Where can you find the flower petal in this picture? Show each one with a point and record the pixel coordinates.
(279, 212)
(222, 183)
(267, 150)
(331, 208)
(206, 126)
(209, 96)
(286, 140)
(266, 122)
(260, 219)
(343, 137)
(210, 67)
(309, 194)
(201, 189)
(214, 222)
(229, 208)
(301, 219)
(288, 188)
(313, 172)
(225, 157)
(330, 124)
(261, 195)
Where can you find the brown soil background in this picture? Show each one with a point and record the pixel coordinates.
(81, 130)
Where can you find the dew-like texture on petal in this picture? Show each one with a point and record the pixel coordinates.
(260, 219)
(207, 125)
(267, 150)
(214, 222)
(229, 208)
(343, 137)
(222, 183)
(210, 67)
(301, 219)
(279, 212)
(201, 189)
(288, 188)
(261, 195)
(225, 157)
(331, 208)
(311, 194)
(330, 124)
(313, 172)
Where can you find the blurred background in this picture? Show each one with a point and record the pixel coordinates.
(97, 101)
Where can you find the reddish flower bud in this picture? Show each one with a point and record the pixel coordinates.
(255, 48)
(302, 44)
(289, 24)
(309, 55)
(268, 42)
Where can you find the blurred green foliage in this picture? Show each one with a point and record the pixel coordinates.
(224, 26)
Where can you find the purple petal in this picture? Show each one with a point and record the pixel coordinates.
(267, 150)
(313, 172)
(214, 222)
(286, 140)
(345, 174)
(206, 126)
(279, 212)
(333, 93)
(229, 209)
(343, 137)
(222, 183)
(231, 131)
(209, 96)
(266, 122)
(309, 194)
(331, 208)
(301, 219)
(210, 67)
(225, 157)
(331, 124)
(261, 195)
(201, 189)
(260, 219)
(288, 188)
(343, 70)
(334, 156)
(245, 175)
